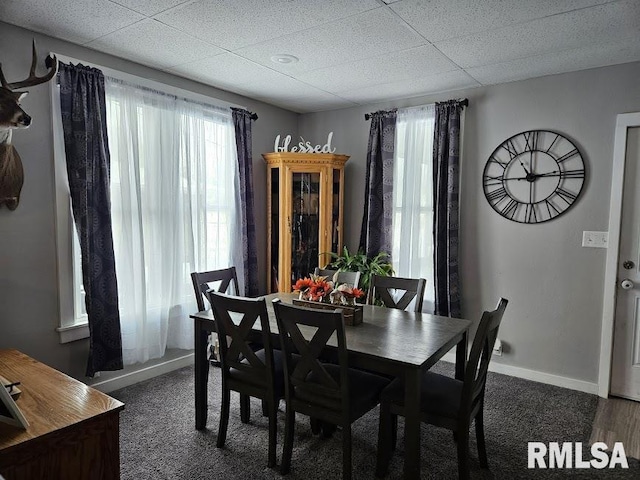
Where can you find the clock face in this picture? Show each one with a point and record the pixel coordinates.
(533, 176)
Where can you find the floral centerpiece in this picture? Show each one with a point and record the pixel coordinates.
(317, 288)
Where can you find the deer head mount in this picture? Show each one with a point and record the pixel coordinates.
(12, 116)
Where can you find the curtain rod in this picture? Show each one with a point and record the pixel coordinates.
(464, 102)
(252, 115)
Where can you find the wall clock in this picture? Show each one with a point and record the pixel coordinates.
(534, 176)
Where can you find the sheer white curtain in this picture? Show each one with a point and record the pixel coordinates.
(174, 193)
(413, 197)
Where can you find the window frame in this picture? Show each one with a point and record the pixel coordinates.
(72, 319)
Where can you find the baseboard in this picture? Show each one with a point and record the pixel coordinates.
(127, 379)
(536, 376)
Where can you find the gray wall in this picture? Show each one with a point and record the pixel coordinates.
(28, 269)
(555, 286)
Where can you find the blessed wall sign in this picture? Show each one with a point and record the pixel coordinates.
(303, 145)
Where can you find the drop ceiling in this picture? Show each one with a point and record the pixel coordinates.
(350, 52)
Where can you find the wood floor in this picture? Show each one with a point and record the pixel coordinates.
(618, 420)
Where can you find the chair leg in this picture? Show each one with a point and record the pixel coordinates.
(287, 450)
(273, 432)
(316, 425)
(328, 429)
(224, 417)
(346, 452)
(394, 432)
(482, 447)
(265, 408)
(245, 408)
(463, 454)
(385, 436)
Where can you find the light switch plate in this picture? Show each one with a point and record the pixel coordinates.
(595, 239)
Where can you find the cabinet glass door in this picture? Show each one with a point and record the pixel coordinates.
(335, 213)
(305, 224)
(274, 274)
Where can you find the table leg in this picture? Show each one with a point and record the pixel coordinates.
(461, 356)
(412, 424)
(201, 373)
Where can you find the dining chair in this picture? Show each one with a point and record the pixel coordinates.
(223, 280)
(331, 393)
(447, 402)
(387, 289)
(205, 281)
(351, 278)
(258, 374)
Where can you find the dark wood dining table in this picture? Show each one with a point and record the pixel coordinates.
(389, 341)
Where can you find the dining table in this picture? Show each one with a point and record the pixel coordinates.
(388, 341)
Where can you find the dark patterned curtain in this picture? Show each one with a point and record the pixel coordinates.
(446, 178)
(376, 233)
(83, 107)
(242, 124)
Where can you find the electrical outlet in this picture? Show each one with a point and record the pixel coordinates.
(595, 239)
(497, 348)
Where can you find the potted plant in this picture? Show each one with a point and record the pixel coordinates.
(359, 262)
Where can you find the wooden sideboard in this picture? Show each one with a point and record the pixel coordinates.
(73, 429)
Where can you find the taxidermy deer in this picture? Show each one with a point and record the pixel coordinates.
(12, 116)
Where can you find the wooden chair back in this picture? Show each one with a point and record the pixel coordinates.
(475, 376)
(308, 377)
(235, 318)
(202, 283)
(413, 288)
(352, 278)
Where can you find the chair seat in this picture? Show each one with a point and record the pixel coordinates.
(364, 391)
(278, 372)
(440, 395)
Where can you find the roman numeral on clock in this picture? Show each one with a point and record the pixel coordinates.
(510, 147)
(565, 195)
(510, 209)
(531, 140)
(567, 156)
(497, 195)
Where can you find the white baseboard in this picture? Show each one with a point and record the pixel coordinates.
(127, 379)
(536, 376)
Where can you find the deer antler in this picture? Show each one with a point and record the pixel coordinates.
(50, 62)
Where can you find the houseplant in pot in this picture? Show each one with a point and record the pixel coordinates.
(359, 262)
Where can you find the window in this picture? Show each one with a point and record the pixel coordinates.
(413, 197)
(174, 198)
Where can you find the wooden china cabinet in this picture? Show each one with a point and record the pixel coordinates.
(305, 194)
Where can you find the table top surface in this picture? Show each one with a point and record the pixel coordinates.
(405, 338)
(50, 400)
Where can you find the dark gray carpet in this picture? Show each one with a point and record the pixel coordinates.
(158, 439)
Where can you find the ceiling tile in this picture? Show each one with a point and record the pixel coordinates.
(307, 104)
(411, 88)
(445, 19)
(78, 21)
(155, 44)
(236, 74)
(602, 24)
(233, 24)
(557, 62)
(337, 43)
(386, 68)
(150, 7)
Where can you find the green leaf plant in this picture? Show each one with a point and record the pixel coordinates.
(359, 262)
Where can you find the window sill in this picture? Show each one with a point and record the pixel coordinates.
(73, 332)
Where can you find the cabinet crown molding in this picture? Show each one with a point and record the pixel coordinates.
(276, 158)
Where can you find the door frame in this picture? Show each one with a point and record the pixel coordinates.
(624, 121)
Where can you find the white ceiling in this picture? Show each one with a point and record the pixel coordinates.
(350, 52)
